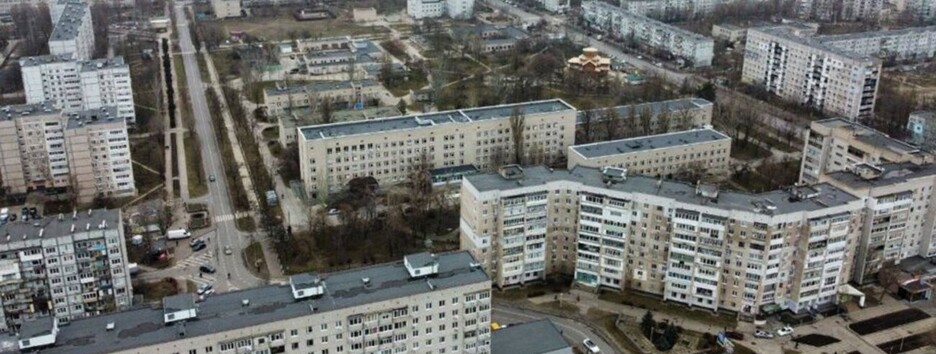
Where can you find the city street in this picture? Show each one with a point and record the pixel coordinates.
(232, 273)
(575, 332)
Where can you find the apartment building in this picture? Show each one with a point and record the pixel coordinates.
(690, 244)
(555, 6)
(907, 44)
(73, 32)
(86, 151)
(457, 9)
(618, 22)
(387, 148)
(899, 217)
(226, 8)
(7, 5)
(808, 72)
(922, 128)
(840, 10)
(836, 144)
(700, 151)
(919, 9)
(423, 304)
(64, 266)
(75, 85)
(285, 97)
(659, 117)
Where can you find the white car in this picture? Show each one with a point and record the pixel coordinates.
(762, 334)
(591, 346)
(785, 331)
(204, 288)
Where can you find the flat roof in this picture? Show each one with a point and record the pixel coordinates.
(893, 173)
(224, 312)
(51, 226)
(683, 192)
(98, 64)
(535, 337)
(28, 110)
(37, 327)
(67, 26)
(303, 116)
(319, 86)
(337, 130)
(868, 135)
(106, 114)
(783, 32)
(877, 34)
(654, 108)
(650, 142)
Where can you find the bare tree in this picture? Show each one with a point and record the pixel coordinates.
(646, 120)
(611, 124)
(517, 134)
(327, 110)
(888, 277)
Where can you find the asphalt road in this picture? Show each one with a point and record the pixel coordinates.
(218, 200)
(575, 332)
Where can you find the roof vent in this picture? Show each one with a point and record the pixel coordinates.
(245, 302)
(41, 231)
(110, 326)
(87, 226)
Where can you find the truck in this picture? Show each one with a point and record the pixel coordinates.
(178, 234)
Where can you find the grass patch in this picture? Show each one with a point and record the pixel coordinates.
(563, 307)
(157, 290)
(195, 172)
(749, 151)
(907, 344)
(203, 68)
(246, 224)
(280, 27)
(632, 298)
(150, 152)
(253, 256)
(417, 80)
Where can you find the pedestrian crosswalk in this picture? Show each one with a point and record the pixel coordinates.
(223, 218)
(196, 260)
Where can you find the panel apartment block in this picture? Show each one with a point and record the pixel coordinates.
(87, 151)
(808, 72)
(74, 85)
(907, 44)
(457, 9)
(619, 22)
(688, 244)
(73, 32)
(387, 148)
(840, 10)
(423, 304)
(836, 144)
(704, 151)
(68, 266)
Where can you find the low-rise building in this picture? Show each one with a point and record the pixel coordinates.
(226, 8)
(922, 128)
(364, 15)
(555, 6)
(701, 151)
(590, 62)
(457, 9)
(284, 97)
(729, 32)
(424, 303)
(490, 38)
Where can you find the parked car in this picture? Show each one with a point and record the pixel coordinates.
(334, 211)
(591, 346)
(207, 268)
(227, 250)
(762, 334)
(204, 288)
(12, 217)
(33, 213)
(199, 246)
(734, 335)
(195, 241)
(785, 331)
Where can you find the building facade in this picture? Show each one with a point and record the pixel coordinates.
(73, 32)
(840, 10)
(67, 266)
(907, 44)
(426, 303)
(75, 85)
(808, 72)
(704, 152)
(618, 22)
(86, 152)
(688, 244)
(226, 8)
(283, 98)
(836, 144)
(387, 149)
(457, 9)
(922, 128)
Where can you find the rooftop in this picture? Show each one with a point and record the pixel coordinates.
(106, 114)
(178, 302)
(886, 175)
(877, 34)
(303, 117)
(28, 110)
(38, 327)
(537, 337)
(650, 142)
(224, 312)
(772, 202)
(51, 226)
(868, 135)
(416, 121)
(86, 65)
(784, 32)
(654, 108)
(669, 28)
(97, 64)
(317, 86)
(67, 26)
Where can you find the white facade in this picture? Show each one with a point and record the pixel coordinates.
(841, 10)
(73, 33)
(458, 9)
(74, 85)
(913, 44)
(621, 23)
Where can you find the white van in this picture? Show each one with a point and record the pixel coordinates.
(178, 234)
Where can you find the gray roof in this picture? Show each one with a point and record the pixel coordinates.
(86, 65)
(877, 34)
(650, 142)
(98, 64)
(67, 26)
(106, 114)
(894, 173)
(681, 192)
(225, 312)
(421, 259)
(319, 86)
(784, 32)
(45, 59)
(869, 135)
(536, 337)
(178, 302)
(28, 110)
(430, 119)
(305, 280)
(655, 108)
(52, 227)
(37, 327)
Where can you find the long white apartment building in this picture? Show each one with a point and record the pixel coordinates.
(86, 152)
(457, 9)
(75, 85)
(907, 44)
(618, 22)
(387, 148)
(425, 303)
(919, 9)
(73, 31)
(699, 151)
(837, 144)
(690, 244)
(68, 267)
(808, 72)
(841, 10)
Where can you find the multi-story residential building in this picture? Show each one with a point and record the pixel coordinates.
(426, 303)
(700, 151)
(922, 128)
(75, 85)
(618, 22)
(86, 151)
(226, 8)
(653, 117)
(900, 212)
(907, 44)
(840, 10)
(555, 6)
(459, 9)
(7, 5)
(73, 32)
(284, 97)
(920, 10)
(387, 149)
(66, 266)
(836, 144)
(806, 71)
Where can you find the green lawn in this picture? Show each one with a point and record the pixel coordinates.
(197, 182)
